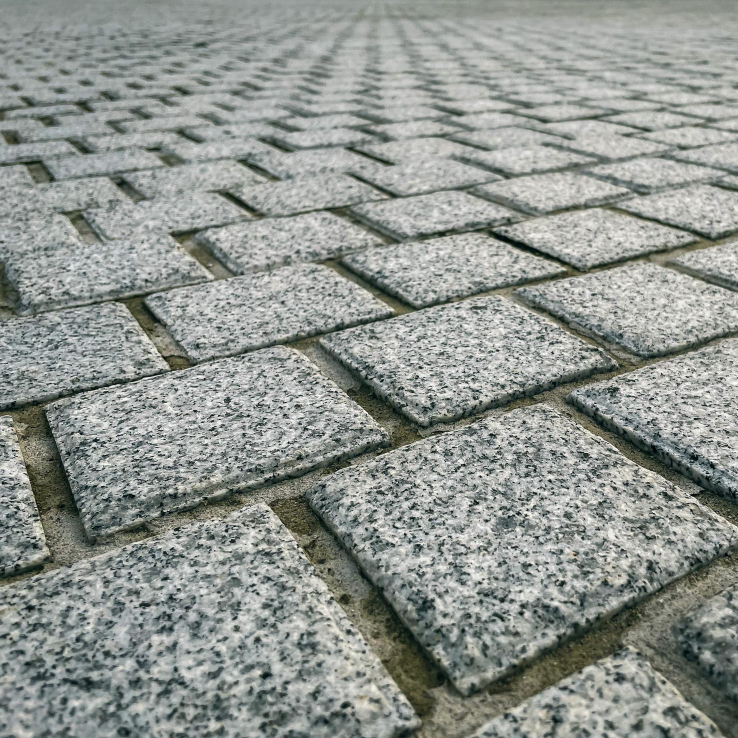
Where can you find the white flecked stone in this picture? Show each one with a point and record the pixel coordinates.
(718, 264)
(525, 159)
(652, 174)
(80, 194)
(496, 542)
(323, 138)
(611, 147)
(652, 120)
(111, 162)
(236, 148)
(137, 452)
(152, 140)
(42, 151)
(169, 637)
(312, 163)
(36, 234)
(721, 156)
(414, 148)
(690, 136)
(503, 138)
(15, 177)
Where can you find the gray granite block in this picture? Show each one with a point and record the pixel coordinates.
(691, 136)
(56, 354)
(476, 121)
(231, 316)
(525, 159)
(645, 308)
(709, 636)
(15, 177)
(591, 238)
(683, 410)
(22, 204)
(320, 138)
(541, 193)
(312, 163)
(611, 147)
(652, 174)
(22, 539)
(617, 697)
(413, 148)
(308, 193)
(402, 113)
(339, 120)
(232, 130)
(585, 128)
(135, 453)
(709, 211)
(413, 129)
(452, 361)
(80, 194)
(718, 264)
(503, 138)
(36, 234)
(426, 215)
(722, 156)
(108, 163)
(561, 112)
(496, 542)
(44, 150)
(439, 270)
(249, 247)
(67, 130)
(169, 636)
(235, 148)
(652, 120)
(164, 215)
(83, 274)
(163, 123)
(152, 140)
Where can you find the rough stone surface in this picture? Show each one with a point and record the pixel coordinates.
(525, 160)
(580, 534)
(106, 163)
(718, 264)
(651, 175)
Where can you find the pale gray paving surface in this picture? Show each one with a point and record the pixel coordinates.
(718, 264)
(617, 697)
(36, 233)
(197, 602)
(438, 270)
(69, 351)
(721, 156)
(80, 194)
(515, 161)
(112, 162)
(313, 162)
(501, 138)
(323, 138)
(452, 361)
(690, 136)
(115, 142)
(37, 151)
(231, 316)
(411, 149)
(137, 452)
(709, 636)
(490, 566)
(651, 175)
(236, 148)
(22, 539)
(611, 147)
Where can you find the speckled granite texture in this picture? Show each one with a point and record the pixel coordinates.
(80, 194)
(718, 264)
(618, 697)
(500, 540)
(135, 453)
(709, 636)
(22, 540)
(424, 365)
(611, 147)
(683, 410)
(197, 602)
(312, 163)
(111, 162)
(232, 316)
(644, 308)
(652, 174)
(72, 350)
(525, 159)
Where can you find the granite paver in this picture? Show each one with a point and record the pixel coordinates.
(651, 175)
(718, 264)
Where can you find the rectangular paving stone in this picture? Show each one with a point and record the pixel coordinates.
(652, 120)
(79, 275)
(236, 148)
(42, 151)
(151, 140)
(339, 120)
(162, 123)
(452, 361)
(56, 354)
(515, 161)
(496, 542)
(644, 308)
(323, 138)
(617, 697)
(591, 238)
(652, 174)
(561, 112)
(396, 152)
(79, 194)
(503, 138)
(36, 234)
(718, 264)
(475, 121)
(427, 215)
(108, 163)
(709, 211)
(683, 410)
(135, 453)
(721, 156)
(709, 637)
(412, 129)
(263, 244)
(691, 136)
(232, 316)
(189, 609)
(313, 162)
(15, 177)
(439, 270)
(611, 147)
(586, 128)
(22, 539)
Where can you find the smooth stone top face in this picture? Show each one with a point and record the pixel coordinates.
(452, 361)
(611, 147)
(230, 316)
(718, 264)
(526, 159)
(438, 270)
(310, 163)
(709, 636)
(218, 629)
(618, 697)
(591, 238)
(653, 174)
(22, 540)
(138, 452)
(112, 162)
(72, 350)
(685, 411)
(498, 541)
(644, 308)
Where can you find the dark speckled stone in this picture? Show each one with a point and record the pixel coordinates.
(137, 452)
(219, 630)
(498, 541)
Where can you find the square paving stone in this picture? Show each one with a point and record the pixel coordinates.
(502, 138)
(541, 193)
(683, 410)
(312, 163)
(441, 269)
(79, 275)
(644, 308)
(235, 315)
(306, 193)
(452, 361)
(426, 215)
(592, 238)
(79, 194)
(72, 350)
(135, 453)
(651, 175)
(22, 539)
(250, 247)
(610, 147)
(617, 697)
(190, 610)
(709, 211)
(525, 160)
(722, 156)
(718, 264)
(496, 542)
(709, 636)
(110, 162)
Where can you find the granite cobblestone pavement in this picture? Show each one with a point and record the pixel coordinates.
(369, 371)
